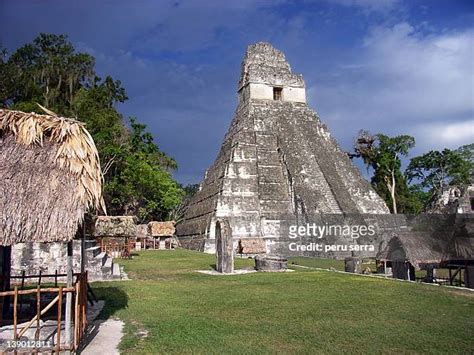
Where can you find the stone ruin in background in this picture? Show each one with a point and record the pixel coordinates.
(278, 163)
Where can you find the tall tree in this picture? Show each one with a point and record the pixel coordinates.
(137, 174)
(467, 153)
(49, 71)
(383, 154)
(436, 170)
(8, 77)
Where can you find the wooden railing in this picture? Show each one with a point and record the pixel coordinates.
(40, 277)
(117, 247)
(79, 312)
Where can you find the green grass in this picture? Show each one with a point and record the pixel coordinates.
(318, 263)
(305, 311)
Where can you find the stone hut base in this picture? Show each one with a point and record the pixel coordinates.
(271, 263)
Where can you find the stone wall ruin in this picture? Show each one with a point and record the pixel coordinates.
(277, 160)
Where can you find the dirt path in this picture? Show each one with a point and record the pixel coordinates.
(104, 337)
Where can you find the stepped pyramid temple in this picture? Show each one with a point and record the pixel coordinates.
(277, 160)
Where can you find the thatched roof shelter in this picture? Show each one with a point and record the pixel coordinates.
(115, 226)
(161, 229)
(461, 245)
(424, 248)
(142, 231)
(416, 247)
(50, 175)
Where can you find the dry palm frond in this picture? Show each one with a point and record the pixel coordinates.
(161, 229)
(49, 112)
(142, 231)
(46, 162)
(115, 226)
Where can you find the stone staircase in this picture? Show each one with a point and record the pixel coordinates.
(99, 265)
(31, 258)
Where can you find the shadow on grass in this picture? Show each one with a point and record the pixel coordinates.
(213, 266)
(115, 299)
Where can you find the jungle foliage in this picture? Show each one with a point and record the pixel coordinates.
(50, 72)
(416, 188)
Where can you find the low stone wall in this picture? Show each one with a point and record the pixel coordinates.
(271, 263)
(44, 257)
(51, 257)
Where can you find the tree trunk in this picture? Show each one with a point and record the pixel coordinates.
(391, 188)
(392, 192)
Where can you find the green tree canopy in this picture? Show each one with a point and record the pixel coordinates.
(436, 170)
(383, 154)
(49, 71)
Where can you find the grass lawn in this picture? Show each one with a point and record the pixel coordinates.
(318, 263)
(168, 307)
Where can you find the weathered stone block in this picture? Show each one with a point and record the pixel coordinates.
(224, 247)
(270, 263)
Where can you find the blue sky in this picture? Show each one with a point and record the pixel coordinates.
(389, 66)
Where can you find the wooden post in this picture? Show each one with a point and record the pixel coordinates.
(83, 247)
(429, 274)
(38, 312)
(84, 304)
(15, 313)
(58, 332)
(5, 282)
(68, 316)
(76, 313)
(56, 278)
(22, 279)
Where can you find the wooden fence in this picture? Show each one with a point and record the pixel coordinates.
(79, 311)
(40, 277)
(117, 247)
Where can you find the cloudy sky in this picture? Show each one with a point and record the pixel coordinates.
(389, 66)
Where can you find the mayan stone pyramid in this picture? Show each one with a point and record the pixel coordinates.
(277, 159)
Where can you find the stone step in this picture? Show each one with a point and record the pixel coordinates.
(102, 257)
(107, 267)
(89, 243)
(93, 247)
(116, 271)
(93, 251)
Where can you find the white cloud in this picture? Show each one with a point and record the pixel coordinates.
(426, 75)
(371, 5)
(442, 135)
(403, 80)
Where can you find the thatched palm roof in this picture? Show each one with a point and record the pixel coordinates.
(461, 245)
(421, 248)
(161, 229)
(142, 231)
(115, 226)
(50, 174)
(416, 247)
